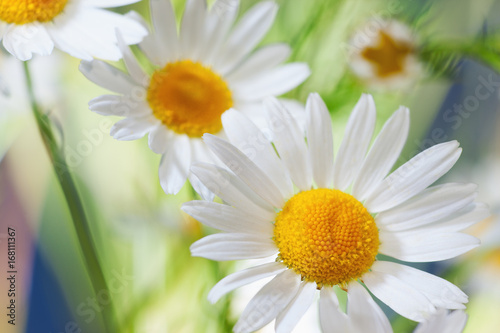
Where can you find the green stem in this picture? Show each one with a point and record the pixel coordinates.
(74, 202)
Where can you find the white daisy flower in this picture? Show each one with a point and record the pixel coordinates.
(81, 28)
(383, 55)
(324, 222)
(201, 71)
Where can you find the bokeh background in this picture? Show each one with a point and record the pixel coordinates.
(142, 236)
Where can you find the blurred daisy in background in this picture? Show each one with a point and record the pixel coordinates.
(199, 73)
(382, 54)
(325, 222)
(81, 28)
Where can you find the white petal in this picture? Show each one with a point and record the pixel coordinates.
(133, 128)
(320, 140)
(274, 82)
(413, 176)
(108, 3)
(441, 293)
(355, 143)
(364, 314)
(165, 29)
(332, 318)
(383, 154)
(290, 144)
(429, 206)
(24, 40)
(268, 302)
(131, 63)
(444, 322)
(261, 61)
(219, 21)
(293, 312)
(201, 153)
(200, 188)
(123, 106)
(245, 169)
(232, 190)
(223, 247)
(400, 297)
(461, 220)
(424, 246)
(149, 45)
(174, 165)
(242, 278)
(227, 218)
(159, 139)
(243, 134)
(191, 33)
(108, 77)
(91, 32)
(249, 31)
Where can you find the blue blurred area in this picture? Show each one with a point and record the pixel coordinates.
(469, 112)
(48, 311)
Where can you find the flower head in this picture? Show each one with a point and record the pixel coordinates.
(81, 28)
(383, 55)
(324, 223)
(200, 72)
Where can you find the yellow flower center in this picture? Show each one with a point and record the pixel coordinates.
(189, 98)
(27, 11)
(388, 56)
(326, 236)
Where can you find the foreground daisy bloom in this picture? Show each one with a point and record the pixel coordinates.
(383, 55)
(81, 28)
(323, 223)
(199, 74)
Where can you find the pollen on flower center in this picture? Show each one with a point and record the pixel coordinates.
(189, 98)
(388, 56)
(326, 236)
(27, 11)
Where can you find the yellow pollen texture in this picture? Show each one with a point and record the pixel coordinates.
(27, 11)
(326, 236)
(189, 98)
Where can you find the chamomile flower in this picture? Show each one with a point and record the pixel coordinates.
(81, 28)
(200, 72)
(383, 55)
(323, 223)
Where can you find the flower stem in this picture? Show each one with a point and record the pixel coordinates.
(74, 202)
